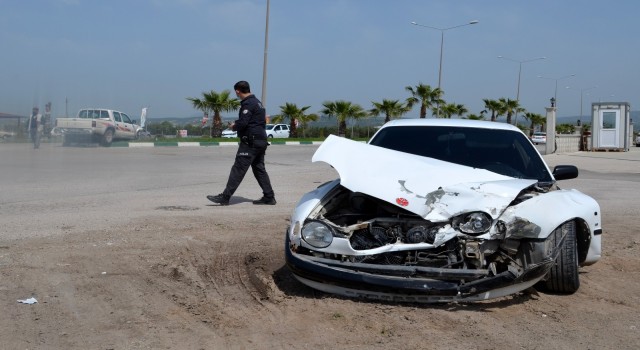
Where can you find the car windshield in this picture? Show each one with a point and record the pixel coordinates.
(504, 152)
(269, 126)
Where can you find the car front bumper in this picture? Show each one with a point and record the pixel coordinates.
(411, 283)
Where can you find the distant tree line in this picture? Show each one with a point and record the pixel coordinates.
(428, 99)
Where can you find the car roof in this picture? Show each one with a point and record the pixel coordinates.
(451, 122)
(100, 109)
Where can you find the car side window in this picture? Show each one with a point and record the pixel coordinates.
(83, 114)
(116, 117)
(125, 118)
(104, 114)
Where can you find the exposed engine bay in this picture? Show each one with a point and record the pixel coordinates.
(369, 223)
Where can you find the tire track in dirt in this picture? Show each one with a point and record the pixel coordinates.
(229, 285)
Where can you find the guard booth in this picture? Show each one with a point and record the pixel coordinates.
(610, 126)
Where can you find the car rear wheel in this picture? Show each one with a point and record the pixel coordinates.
(563, 276)
(107, 138)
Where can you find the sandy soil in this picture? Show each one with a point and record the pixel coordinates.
(193, 277)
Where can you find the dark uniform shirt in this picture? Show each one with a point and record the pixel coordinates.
(251, 119)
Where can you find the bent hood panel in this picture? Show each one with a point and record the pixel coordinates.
(431, 188)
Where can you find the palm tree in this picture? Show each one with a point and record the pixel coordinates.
(304, 119)
(343, 110)
(451, 109)
(390, 108)
(295, 115)
(427, 96)
(200, 104)
(216, 102)
(493, 106)
(510, 107)
(534, 119)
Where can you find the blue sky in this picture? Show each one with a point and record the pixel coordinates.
(127, 54)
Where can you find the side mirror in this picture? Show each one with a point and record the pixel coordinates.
(565, 172)
(134, 122)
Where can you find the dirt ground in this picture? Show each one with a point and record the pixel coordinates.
(192, 277)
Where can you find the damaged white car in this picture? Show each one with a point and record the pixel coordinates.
(438, 210)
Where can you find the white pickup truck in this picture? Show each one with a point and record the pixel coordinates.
(97, 125)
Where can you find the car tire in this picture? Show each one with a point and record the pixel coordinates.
(107, 138)
(270, 136)
(563, 277)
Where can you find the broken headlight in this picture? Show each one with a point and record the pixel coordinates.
(317, 234)
(474, 224)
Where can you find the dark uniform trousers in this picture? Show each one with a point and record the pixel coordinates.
(249, 155)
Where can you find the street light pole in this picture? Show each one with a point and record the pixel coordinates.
(555, 94)
(442, 30)
(441, 53)
(264, 66)
(515, 119)
(582, 90)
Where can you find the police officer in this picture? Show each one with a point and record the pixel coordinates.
(251, 131)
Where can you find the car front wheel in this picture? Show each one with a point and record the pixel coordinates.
(563, 276)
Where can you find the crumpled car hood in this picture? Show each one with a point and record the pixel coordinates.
(431, 188)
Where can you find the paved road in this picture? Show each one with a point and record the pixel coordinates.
(56, 190)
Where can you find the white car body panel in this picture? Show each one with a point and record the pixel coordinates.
(451, 190)
(383, 194)
(448, 189)
(558, 206)
(309, 201)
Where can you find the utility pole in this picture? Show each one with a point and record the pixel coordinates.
(264, 66)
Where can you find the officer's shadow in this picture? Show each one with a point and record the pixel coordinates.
(233, 201)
